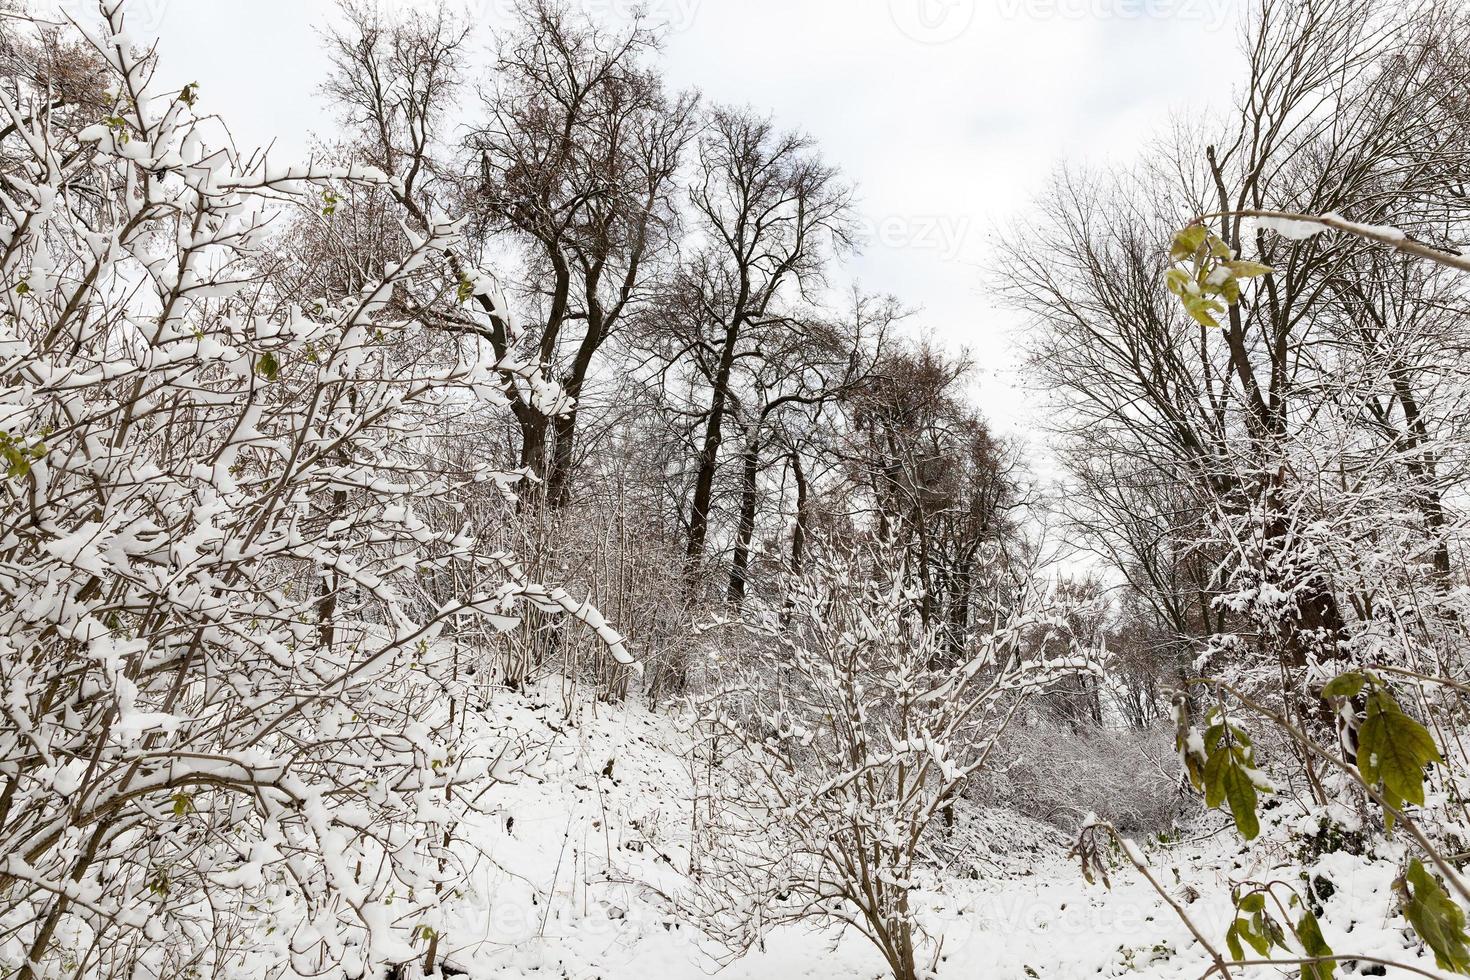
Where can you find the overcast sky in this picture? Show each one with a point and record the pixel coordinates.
(949, 115)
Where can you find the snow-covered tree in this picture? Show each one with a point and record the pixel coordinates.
(833, 750)
(235, 719)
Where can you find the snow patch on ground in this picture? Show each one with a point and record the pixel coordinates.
(584, 852)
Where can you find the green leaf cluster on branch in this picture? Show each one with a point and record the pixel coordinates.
(1394, 752)
(1221, 764)
(1255, 926)
(1206, 275)
(1393, 749)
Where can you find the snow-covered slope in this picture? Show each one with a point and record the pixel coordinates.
(585, 851)
(578, 850)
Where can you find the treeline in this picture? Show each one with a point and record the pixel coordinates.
(716, 402)
(1275, 466)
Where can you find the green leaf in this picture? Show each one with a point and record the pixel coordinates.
(1240, 792)
(119, 127)
(1275, 934)
(1232, 940)
(1313, 945)
(1437, 920)
(1214, 778)
(1214, 735)
(268, 367)
(1200, 310)
(1258, 941)
(1193, 759)
(1227, 778)
(1344, 685)
(1187, 242)
(1248, 270)
(1394, 748)
(18, 457)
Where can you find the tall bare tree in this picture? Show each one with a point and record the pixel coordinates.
(579, 160)
(795, 382)
(1233, 423)
(771, 215)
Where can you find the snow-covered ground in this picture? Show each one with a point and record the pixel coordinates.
(584, 850)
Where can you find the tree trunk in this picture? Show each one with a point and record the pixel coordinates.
(326, 606)
(564, 451)
(533, 444)
(749, 471)
(559, 476)
(799, 532)
(1423, 469)
(961, 584)
(709, 457)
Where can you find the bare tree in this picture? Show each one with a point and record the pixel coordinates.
(394, 82)
(937, 481)
(799, 375)
(771, 215)
(579, 159)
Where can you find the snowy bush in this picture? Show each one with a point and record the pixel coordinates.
(832, 753)
(1058, 773)
(235, 726)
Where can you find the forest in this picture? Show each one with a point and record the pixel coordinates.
(504, 543)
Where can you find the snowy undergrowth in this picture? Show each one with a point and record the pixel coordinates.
(578, 853)
(585, 859)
